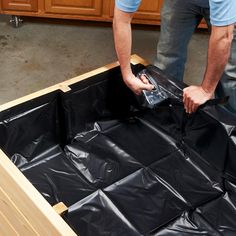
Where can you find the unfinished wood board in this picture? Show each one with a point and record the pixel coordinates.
(60, 208)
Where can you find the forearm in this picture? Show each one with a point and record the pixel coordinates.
(218, 54)
(123, 40)
(123, 43)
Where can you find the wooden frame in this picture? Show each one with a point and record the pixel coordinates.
(24, 211)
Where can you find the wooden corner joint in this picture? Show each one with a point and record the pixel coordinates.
(64, 87)
(135, 59)
(60, 208)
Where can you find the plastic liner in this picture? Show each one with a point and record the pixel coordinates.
(30, 129)
(125, 169)
(101, 97)
(57, 179)
(100, 160)
(97, 215)
(216, 217)
(189, 223)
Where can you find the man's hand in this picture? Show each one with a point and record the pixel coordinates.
(218, 54)
(137, 85)
(194, 96)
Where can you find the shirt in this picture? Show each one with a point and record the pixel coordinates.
(222, 12)
(128, 5)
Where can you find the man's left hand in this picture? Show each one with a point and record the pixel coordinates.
(194, 96)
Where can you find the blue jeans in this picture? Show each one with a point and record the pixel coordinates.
(179, 19)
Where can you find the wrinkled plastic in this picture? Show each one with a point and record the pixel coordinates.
(125, 170)
(216, 217)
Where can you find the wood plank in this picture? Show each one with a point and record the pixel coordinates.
(135, 59)
(6, 229)
(60, 208)
(30, 203)
(90, 74)
(31, 96)
(11, 212)
(64, 86)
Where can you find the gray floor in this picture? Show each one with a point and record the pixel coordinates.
(42, 53)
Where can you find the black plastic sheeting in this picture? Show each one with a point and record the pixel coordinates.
(122, 169)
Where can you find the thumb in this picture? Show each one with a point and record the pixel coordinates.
(144, 79)
(148, 87)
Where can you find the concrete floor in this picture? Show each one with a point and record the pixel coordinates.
(42, 53)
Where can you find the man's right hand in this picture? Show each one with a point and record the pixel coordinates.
(137, 85)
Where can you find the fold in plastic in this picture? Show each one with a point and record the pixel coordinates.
(125, 170)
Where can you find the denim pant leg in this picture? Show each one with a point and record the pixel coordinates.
(179, 19)
(227, 86)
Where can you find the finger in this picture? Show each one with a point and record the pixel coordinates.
(137, 92)
(190, 105)
(196, 105)
(144, 79)
(193, 107)
(187, 104)
(148, 87)
(185, 95)
(185, 99)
